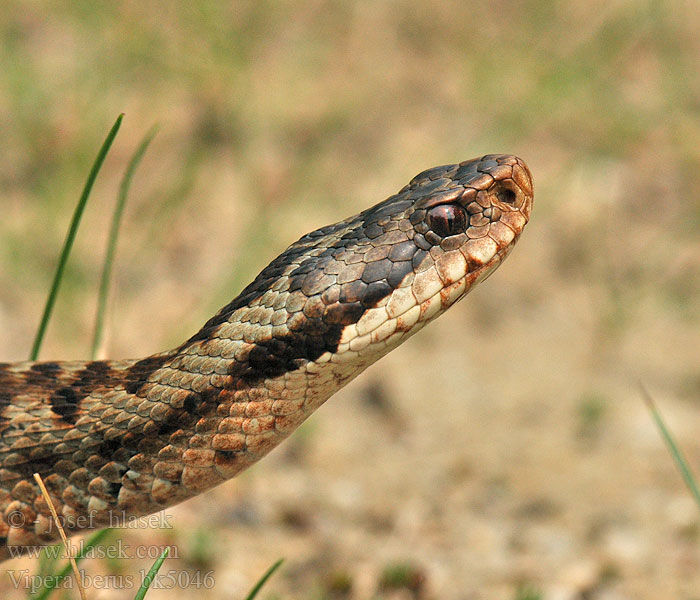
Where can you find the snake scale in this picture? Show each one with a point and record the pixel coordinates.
(118, 439)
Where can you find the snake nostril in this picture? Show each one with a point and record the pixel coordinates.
(506, 196)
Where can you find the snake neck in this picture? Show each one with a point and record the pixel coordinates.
(116, 439)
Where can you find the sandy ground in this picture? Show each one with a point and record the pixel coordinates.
(505, 451)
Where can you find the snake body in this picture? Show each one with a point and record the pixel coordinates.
(117, 439)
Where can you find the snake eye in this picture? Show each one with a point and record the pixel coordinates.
(447, 219)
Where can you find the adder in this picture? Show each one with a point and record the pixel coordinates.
(118, 439)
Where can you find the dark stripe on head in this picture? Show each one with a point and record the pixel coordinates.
(283, 354)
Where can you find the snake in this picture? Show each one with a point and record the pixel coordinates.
(118, 439)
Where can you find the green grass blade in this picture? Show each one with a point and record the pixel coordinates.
(112, 240)
(261, 582)
(150, 576)
(51, 581)
(676, 453)
(68, 243)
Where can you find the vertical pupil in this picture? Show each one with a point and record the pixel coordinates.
(447, 219)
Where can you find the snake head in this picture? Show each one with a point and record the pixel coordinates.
(430, 244)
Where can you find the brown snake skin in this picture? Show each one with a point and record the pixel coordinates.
(117, 439)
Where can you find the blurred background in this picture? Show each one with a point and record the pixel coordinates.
(503, 452)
